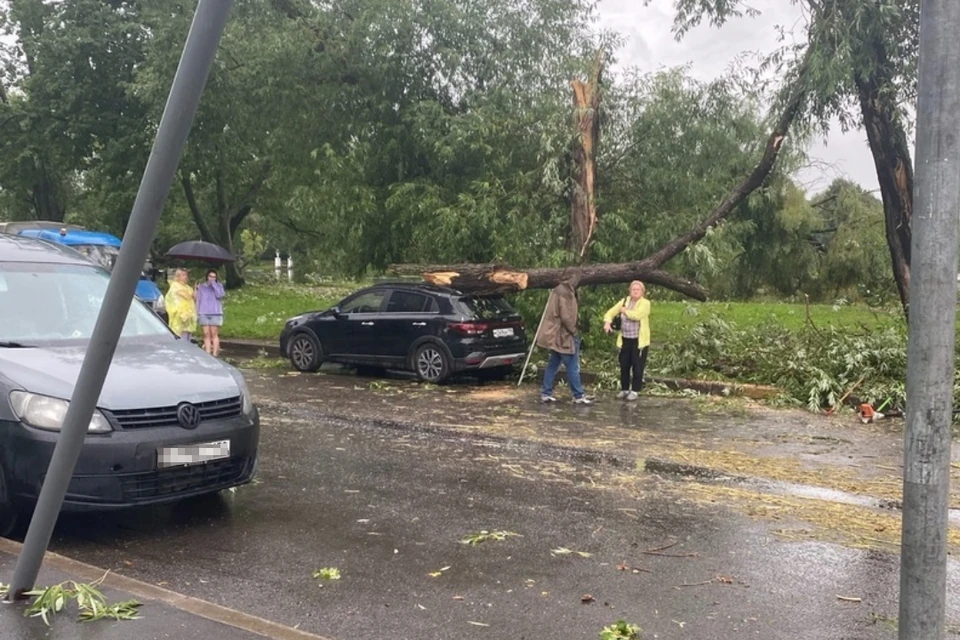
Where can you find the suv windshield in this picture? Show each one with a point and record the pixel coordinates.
(56, 303)
(101, 254)
(487, 307)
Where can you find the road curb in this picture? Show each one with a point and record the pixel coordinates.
(255, 348)
(252, 348)
(146, 591)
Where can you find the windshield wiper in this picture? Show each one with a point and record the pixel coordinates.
(5, 344)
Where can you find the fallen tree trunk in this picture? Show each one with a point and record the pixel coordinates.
(501, 278)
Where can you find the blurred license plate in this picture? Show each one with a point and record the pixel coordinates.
(503, 333)
(193, 454)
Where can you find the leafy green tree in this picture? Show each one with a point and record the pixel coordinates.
(63, 111)
(460, 149)
(860, 64)
(851, 240)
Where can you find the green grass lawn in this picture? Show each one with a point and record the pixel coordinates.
(671, 321)
(258, 311)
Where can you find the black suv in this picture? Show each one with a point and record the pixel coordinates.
(432, 331)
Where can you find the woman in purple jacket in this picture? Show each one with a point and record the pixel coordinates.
(210, 312)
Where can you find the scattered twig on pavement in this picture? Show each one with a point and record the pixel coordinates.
(693, 584)
(625, 567)
(849, 599)
(718, 579)
(670, 555)
(663, 548)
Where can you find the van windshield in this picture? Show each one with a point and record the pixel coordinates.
(47, 304)
(101, 254)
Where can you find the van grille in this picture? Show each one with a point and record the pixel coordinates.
(167, 416)
(182, 480)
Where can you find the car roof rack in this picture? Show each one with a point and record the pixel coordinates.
(415, 285)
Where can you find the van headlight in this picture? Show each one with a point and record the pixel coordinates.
(44, 412)
(246, 396)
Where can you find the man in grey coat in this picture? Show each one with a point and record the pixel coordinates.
(559, 335)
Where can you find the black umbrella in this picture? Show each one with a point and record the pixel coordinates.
(200, 251)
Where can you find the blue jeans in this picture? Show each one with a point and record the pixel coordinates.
(571, 362)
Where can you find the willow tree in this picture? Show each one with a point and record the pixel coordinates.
(862, 68)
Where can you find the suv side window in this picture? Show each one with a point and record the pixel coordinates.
(369, 302)
(408, 302)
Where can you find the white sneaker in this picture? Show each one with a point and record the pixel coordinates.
(632, 396)
(622, 395)
(583, 400)
(547, 399)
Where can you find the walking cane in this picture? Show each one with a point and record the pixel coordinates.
(533, 345)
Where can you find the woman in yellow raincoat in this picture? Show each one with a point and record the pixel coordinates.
(181, 307)
(633, 338)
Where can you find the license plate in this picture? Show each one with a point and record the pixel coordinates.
(503, 333)
(192, 454)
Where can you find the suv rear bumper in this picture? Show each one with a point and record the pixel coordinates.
(484, 361)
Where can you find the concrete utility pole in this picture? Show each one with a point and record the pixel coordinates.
(933, 309)
(195, 62)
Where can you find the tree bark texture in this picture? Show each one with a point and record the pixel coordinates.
(228, 220)
(586, 118)
(891, 156)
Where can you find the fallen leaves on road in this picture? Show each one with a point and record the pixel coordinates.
(477, 624)
(437, 574)
(329, 573)
(587, 598)
(484, 536)
(620, 630)
(563, 551)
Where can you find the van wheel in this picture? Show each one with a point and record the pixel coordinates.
(9, 513)
(431, 363)
(305, 352)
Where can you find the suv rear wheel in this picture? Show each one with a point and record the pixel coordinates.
(431, 363)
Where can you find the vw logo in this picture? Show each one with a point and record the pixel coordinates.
(188, 415)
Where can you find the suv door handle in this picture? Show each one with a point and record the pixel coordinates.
(367, 324)
(419, 324)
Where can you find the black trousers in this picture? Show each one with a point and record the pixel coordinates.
(632, 360)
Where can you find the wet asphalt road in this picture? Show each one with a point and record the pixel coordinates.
(387, 508)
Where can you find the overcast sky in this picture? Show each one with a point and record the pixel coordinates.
(709, 52)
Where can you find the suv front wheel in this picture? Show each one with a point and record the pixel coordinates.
(431, 363)
(305, 352)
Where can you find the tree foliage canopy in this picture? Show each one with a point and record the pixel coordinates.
(360, 133)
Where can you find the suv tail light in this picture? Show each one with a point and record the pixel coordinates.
(468, 328)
